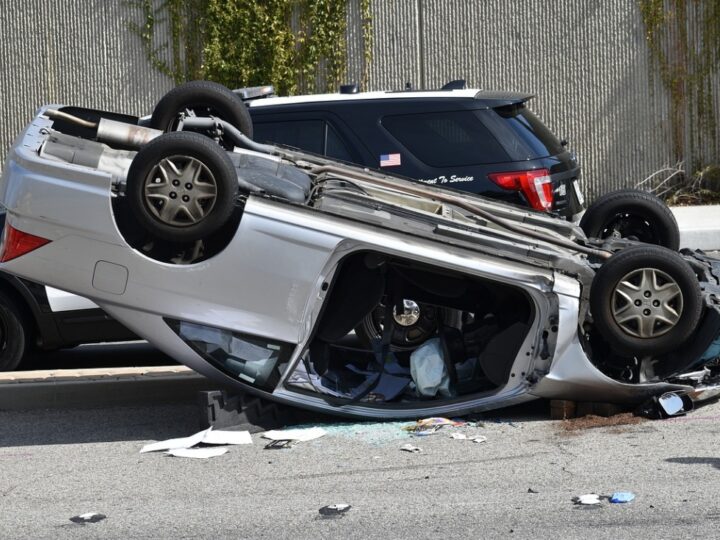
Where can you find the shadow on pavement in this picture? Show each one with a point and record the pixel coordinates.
(158, 422)
(715, 462)
(77, 426)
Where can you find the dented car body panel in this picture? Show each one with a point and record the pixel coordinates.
(274, 295)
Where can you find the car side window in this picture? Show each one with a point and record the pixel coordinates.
(316, 136)
(446, 139)
(334, 145)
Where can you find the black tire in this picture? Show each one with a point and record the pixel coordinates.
(645, 300)
(632, 213)
(184, 149)
(12, 335)
(204, 98)
(404, 338)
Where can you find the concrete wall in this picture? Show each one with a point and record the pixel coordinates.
(74, 52)
(586, 60)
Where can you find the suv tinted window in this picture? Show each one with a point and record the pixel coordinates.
(305, 134)
(446, 139)
(528, 137)
(316, 136)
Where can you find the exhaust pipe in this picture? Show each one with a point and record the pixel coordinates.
(111, 131)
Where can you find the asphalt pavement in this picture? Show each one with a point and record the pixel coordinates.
(518, 484)
(59, 463)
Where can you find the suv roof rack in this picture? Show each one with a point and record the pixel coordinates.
(255, 92)
(353, 88)
(458, 84)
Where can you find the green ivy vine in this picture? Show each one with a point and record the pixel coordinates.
(299, 46)
(685, 69)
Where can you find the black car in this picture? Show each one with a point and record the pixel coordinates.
(483, 142)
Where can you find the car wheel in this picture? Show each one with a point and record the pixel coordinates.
(417, 324)
(632, 213)
(12, 335)
(181, 187)
(645, 300)
(203, 99)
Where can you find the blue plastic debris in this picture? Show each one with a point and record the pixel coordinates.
(622, 497)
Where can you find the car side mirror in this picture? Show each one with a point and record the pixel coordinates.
(673, 404)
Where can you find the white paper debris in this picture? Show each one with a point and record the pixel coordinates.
(410, 448)
(227, 437)
(173, 444)
(300, 435)
(473, 438)
(207, 436)
(590, 498)
(198, 453)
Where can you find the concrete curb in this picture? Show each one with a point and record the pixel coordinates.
(699, 226)
(103, 387)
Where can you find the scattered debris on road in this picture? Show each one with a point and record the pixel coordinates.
(287, 438)
(410, 448)
(334, 510)
(589, 498)
(174, 444)
(186, 446)
(620, 497)
(198, 453)
(665, 406)
(464, 437)
(428, 426)
(89, 517)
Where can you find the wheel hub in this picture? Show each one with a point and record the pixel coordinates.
(410, 313)
(630, 226)
(180, 191)
(647, 303)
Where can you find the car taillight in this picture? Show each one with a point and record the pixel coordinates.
(16, 243)
(535, 185)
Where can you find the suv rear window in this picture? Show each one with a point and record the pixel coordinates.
(538, 141)
(473, 137)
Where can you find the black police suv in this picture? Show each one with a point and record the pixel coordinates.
(487, 143)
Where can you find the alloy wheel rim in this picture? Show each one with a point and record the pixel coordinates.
(180, 191)
(647, 303)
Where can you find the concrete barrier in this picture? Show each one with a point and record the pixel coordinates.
(699, 226)
(101, 387)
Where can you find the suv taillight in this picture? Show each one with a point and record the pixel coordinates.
(16, 243)
(535, 185)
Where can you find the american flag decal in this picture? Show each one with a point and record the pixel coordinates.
(389, 160)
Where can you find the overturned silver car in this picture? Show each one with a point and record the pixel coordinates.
(253, 264)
